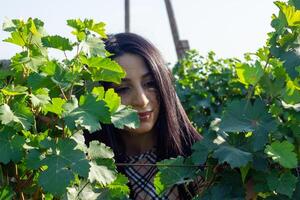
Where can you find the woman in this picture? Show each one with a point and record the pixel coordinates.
(165, 130)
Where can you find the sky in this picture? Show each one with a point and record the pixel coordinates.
(228, 27)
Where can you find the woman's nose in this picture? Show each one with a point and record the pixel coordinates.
(140, 98)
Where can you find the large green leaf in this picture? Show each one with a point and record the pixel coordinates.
(56, 106)
(125, 116)
(283, 184)
(63, 164)
(249, 74)
(20, 114)
(242, 116)
(40, 97)
(171, 171)
(87, 115)
(57, 42)
(102, 169)
(233, 156)
(12, 90)
(292, 15)
(104, 69)
(11, 145)
(283, 153)
(99, 150)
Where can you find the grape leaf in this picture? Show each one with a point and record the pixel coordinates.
(57, 42)
(16, 38)
(249, 74)
(233, 156)
(93, 47)
(242, 116)
(33, 159)
(111, 98)
(99, 150)
(102, 165)
(283, 153)
(12, 90)
(40, 97)
(201, 150)
(6, 193)
(101, 172)
(104, 69)
(169, 175)
(283, 184)
(292, 15)
(63, 164)
(125, 116)
(87, 114)
(20, 114)
(11, 145)
(56, 106)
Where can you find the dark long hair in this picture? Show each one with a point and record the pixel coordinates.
(176, 133)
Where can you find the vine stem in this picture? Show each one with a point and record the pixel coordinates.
(82, 188)
(62, 92)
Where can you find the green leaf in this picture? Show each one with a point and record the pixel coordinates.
(242, 116)
(201, 150)
(249, 74)
(16, 38)
(57, 42)
(113, 100)
(6, 193)
(12, 90)
(24, 115)
(56, 106)
(99, 150)
(34, 159)
(283, 153)
(125, 116)
(283, 184)
(101, 172)
(119, 189)
(85, 190)
(233, 156)
(87, 115)
(93, 47)
(11, 145)
(36, 81)
(292, 15)
(63, 164)
(291, 94)
(40, 97)
(20, 114)
(171, 172)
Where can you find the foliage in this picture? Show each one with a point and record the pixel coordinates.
(46, 103)
(248, 112)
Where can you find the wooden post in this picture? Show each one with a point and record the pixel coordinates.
(127, 16)
(180, 45)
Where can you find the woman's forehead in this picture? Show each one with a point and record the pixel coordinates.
(134, 66)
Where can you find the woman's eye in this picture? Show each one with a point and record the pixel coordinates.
(121, 90)
(151, 84)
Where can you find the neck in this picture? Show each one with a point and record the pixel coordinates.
(138, 143)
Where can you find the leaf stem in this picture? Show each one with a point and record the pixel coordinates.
(82, 188)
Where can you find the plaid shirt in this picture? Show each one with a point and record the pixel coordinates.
(141, 178)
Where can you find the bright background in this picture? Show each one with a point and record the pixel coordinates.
(228, 27)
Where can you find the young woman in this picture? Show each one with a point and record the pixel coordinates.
(165, 130)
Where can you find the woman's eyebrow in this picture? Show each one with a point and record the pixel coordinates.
(146, 75)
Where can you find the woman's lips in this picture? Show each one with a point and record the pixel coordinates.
(144, 115)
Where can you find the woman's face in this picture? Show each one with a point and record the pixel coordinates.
(139, 90)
